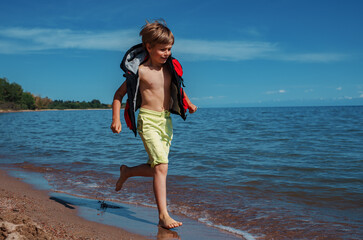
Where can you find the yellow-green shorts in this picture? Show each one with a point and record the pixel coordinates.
(156, 131)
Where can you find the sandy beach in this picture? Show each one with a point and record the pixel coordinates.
(26, 213)
(32, 213)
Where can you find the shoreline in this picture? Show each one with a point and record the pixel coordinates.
(32, 214)
(48, 110)
(26, 197)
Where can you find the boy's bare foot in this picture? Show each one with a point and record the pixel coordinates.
(122, 178)
(169, 223)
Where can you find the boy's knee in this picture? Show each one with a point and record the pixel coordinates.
(161, 168)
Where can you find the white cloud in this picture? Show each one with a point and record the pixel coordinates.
(207, 98)
(28, 40)
(361, 95)
(345, 97)
(313, 57)
(21, 40)
(276, 92)
(244, 50)
(224, 50)
(251, 31)
(339, 88)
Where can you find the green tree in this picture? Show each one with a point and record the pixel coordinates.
(3, 86)
(84, 105)
(12, 96)
(28, 101)
(14, 93)
(56, 104)
(96, 103)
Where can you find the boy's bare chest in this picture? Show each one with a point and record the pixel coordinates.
(155, 79)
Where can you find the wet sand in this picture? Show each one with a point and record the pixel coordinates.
(26, 213)
(36, 212)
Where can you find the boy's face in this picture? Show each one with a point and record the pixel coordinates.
(159, 53)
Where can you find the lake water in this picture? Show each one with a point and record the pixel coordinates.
(282, 173)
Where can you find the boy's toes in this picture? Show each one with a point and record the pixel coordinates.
(169, 223)
(174, 225)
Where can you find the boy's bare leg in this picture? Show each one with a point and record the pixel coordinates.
(143, 170)
(160, 173)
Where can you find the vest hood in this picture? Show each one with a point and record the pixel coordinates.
(133, 58)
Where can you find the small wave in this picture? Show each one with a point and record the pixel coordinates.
(244, 234)
(93, 185)
(72, 194)
(148, 204)
(79, 163)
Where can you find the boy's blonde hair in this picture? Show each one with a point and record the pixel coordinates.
(156, 33)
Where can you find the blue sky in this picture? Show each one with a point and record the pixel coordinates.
(234, 53)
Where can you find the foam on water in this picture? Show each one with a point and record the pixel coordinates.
(93, 185)
(244, 234)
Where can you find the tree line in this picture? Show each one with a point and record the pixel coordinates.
(13, 97)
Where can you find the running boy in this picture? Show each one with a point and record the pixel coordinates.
(154, 123)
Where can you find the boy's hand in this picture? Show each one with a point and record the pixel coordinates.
(116, 126)
(192, 108)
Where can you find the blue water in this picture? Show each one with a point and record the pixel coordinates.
(293, 173)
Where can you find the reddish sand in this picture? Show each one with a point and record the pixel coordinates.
(26, 213)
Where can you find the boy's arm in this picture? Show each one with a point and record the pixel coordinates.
(116, 107)
(192, 108)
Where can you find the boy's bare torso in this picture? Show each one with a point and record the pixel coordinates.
(154, 87)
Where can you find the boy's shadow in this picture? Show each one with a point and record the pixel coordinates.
(121, 211)
(165, 234)
(63, 202)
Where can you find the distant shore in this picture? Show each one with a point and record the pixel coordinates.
(44, 110)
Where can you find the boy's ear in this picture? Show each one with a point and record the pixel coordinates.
(148, 46)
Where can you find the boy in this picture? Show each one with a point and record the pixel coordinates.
(156, 83)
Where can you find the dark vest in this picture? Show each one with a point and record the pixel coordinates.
(133, 58)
